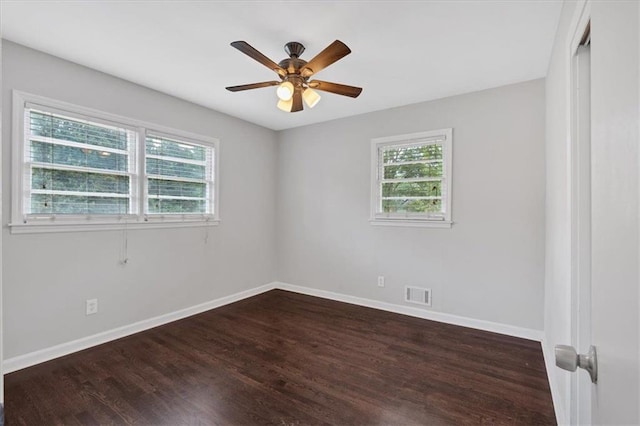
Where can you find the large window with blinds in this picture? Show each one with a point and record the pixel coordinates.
(411, 179)
(81, 168)
(75, 166)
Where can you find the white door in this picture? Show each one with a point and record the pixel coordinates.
(615, 140)
(605, 214)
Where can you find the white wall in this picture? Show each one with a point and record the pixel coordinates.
(47, 277)
(488, 266)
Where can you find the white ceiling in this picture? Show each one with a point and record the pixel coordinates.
(403, 52)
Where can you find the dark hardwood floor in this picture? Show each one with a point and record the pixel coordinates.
(282, 358)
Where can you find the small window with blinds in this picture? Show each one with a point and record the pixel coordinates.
(411, 179)
(81, 169)
(179, 176)
(76, 166)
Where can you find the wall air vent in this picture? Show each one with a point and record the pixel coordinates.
(421, 296)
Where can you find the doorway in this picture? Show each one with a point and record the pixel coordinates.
(581, 386)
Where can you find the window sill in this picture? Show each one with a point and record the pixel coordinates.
(48, 227)
(416, 223)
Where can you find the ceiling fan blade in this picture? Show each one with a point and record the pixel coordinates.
(297, 101)
(335, 51)
(338, 89)
(250, 51)
(252, 86)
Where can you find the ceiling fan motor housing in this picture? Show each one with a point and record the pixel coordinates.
(293, 64)
(294, 49)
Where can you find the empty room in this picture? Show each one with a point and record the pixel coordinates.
(320, 212)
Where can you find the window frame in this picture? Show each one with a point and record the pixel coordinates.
(138, 218)
(377, 217)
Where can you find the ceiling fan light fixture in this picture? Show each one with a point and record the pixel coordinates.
(285, 91)
(286, 106)
(293, 89)
(311, 97)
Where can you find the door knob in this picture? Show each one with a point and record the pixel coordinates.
(568, 359)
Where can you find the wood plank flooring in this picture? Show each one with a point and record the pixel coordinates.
(282, 358)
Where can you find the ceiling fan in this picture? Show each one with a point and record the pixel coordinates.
(294, 74)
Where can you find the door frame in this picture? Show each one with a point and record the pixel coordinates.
(579, 169)
(1, 269)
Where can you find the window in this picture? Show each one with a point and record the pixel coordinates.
(179, 176)
(77, 168)
(411, 179)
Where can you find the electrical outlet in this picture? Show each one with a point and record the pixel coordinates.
(380, 281)
(92, 306)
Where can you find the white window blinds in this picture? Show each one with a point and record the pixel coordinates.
(411, 179)
(78, 168)
(75, 166)
(179, 176)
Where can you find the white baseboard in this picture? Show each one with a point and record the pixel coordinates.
(510, 330)
(19, 362)
(550, 364)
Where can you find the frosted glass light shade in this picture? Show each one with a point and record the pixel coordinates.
(285, 91)
(311, 97)
(285, 106)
